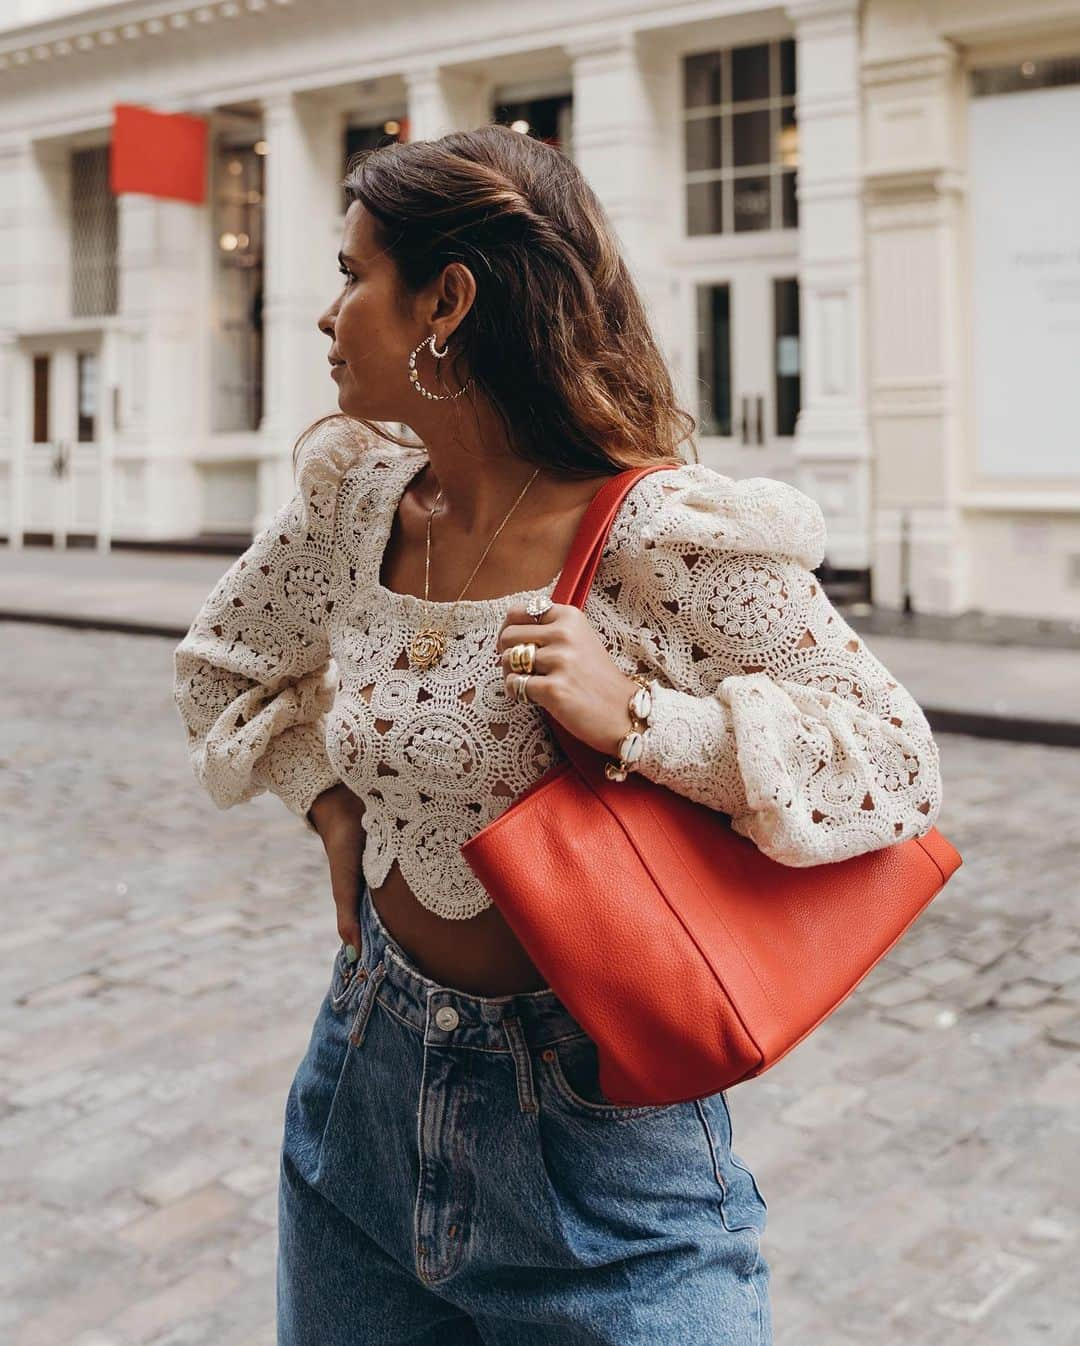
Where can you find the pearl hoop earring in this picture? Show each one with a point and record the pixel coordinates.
(415, 377)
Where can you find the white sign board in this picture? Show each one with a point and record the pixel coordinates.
(1025, 236)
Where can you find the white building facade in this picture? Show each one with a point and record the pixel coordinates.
(857, 233)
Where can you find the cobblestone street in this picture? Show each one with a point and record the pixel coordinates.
(163, 962)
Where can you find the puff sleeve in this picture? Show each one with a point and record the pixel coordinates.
(770, 707)
(253, 676)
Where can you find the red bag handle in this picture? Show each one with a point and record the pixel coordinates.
(573, 586)
(590, 539)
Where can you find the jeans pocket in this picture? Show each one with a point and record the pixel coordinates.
(345, 979)
(573, 1071)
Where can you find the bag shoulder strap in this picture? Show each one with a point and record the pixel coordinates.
(590, 539)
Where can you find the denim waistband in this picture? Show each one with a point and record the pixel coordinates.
(477, 1021)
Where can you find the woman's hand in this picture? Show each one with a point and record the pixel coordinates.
(573, 675)
(336, 814)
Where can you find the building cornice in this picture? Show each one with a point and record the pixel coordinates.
(109, 26)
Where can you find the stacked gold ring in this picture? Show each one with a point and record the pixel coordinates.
(521, 662)
(521, 657)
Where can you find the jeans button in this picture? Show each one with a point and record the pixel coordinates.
(446, 1017)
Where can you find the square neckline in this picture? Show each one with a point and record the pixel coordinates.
(396, 493)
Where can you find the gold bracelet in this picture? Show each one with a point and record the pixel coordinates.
(632, 745)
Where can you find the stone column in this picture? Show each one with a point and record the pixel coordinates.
(832, 444)
(440, 99)
(35, 285)
(620, 83)
(914, 103)
(304, 164)
(163, 282)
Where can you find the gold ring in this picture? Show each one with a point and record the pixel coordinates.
(521, 658)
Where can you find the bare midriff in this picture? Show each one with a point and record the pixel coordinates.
(480, 955)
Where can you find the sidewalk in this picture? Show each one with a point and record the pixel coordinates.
(996, 678)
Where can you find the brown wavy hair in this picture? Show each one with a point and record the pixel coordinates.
(557, 336)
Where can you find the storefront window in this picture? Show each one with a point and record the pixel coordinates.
(238, 330)
(361, 136)
(549, 118)
(1023, 258)
(740, 138)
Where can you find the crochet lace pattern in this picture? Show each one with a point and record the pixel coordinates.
(767, 706)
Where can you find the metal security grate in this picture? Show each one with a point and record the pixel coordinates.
(93, 234)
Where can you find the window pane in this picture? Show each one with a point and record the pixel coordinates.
(86, 379)
(42, 365)
(702, 79)
(749, 73)
(787, 141)
(704, 208)
(789, 202)
(787, 358)
(750, 138)
(787, 66)
(714, 358)
(704, 143)
(753, 203)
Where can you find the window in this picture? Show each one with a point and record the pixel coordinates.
(740, 138)
(93, 234)
(1024, 75)
(549, 119)
(238, 241)
(786, 361)
(87, 387)
(360, 136)
(42, 370)
(714, 358)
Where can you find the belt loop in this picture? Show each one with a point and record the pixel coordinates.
(519, 1049)
(367, 1000)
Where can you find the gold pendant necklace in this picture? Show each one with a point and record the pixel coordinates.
(429, 643)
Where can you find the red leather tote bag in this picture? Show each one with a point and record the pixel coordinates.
(692, 959)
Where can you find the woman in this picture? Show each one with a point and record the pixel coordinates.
(450, 1170)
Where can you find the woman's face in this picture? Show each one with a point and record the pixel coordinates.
(370, 327)
(375, 325)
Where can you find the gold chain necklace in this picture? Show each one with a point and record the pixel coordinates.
(429, 643)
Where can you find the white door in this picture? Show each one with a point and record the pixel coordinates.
(63, 475)
(746, 325)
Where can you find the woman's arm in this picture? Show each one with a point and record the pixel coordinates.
(253, 676)
(769, 707)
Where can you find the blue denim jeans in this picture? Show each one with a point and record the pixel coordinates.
(451, 1174)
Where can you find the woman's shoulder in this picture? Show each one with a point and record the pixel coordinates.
(693, 506)
(338, 447)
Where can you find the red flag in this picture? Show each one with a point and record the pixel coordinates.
(158, 153)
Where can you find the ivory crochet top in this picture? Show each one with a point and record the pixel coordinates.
(294, 675)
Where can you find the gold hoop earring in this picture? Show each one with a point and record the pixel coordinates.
(414, 376)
